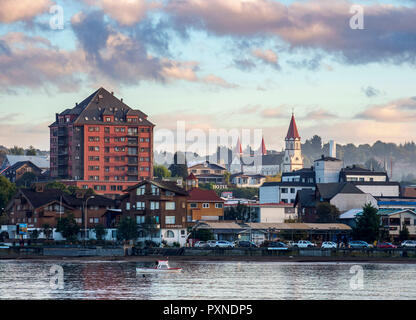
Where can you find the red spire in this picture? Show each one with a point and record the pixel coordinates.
(263, 147)
(292, 133)
(239, 148)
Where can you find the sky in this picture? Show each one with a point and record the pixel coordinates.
(234, 64)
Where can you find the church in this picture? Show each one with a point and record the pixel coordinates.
(270, 163)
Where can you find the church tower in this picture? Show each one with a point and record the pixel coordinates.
(293, 159)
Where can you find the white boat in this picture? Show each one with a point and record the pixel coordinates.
(162, 267)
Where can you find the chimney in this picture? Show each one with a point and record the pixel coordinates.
(121, 99)
(332, 149)
(112, 93)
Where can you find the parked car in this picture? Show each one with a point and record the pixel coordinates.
(4, 246)
(386, 245)
(290, 243)
(201, 244)
(277, 245)
(220, 244)
(408, 244)
(359, 244)
(304, 244)
(328, 245)
(245, 244)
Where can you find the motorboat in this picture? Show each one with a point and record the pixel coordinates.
(162, 267)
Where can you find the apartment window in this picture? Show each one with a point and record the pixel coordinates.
(140, 219)
(141, 191)
(127, 205)
(107, 119)
(96, 149)
(169, 193)
(155, 190)
(205, 205)
(170, 220)
(154, 205)
(169, 234)
(284, 190)
(292, 190)
(170, 205)
(107, 129)
(140, 206)
(218, 205)
(193, 205)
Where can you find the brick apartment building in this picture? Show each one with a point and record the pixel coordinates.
(102, 144)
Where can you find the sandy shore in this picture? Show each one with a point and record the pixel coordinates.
(221, 259)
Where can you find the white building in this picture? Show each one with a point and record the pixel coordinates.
(293, 159)
(327, 169)
(277, 213)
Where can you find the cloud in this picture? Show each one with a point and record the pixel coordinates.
(320, 114)
(126, 12)
(402, 110)
(218, 81)
(32, 62)
(389, 33)
(272, 113)
(266, 56)
(312, 64)
(370, 91)
(244, 64)
(22, 10)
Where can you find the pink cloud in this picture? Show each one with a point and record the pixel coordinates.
(12, 10)
(401, 110)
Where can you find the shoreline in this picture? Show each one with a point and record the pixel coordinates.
(297, 259)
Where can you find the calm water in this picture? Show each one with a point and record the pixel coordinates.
(202, 280)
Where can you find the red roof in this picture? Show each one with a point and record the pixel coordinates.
(239, 148)
(293, 130)
(197, 194)
(191, 177)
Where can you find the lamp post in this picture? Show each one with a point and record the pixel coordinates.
(85, 218)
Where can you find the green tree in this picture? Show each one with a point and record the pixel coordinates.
(203, 234)
(31, 151)
(7, 190)
(404, 233)
(26, 180)
(68, 227)
(58, 186)
(368, 225)
(17, 151)
(160, 171)
(327, 212)
(227, 177)
(100, 231)
(127, 229)
(47, 230)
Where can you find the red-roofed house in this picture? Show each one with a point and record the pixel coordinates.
(204, 205)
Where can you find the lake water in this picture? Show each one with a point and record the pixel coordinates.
(207, 280)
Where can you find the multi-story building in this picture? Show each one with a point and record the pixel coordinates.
(159, 208)
(208, 172)
(293, 159)
(102, 144)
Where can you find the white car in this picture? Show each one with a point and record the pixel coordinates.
(221, 244)
(304, 244)
(201, 244)
(328, 245)
(409, 244)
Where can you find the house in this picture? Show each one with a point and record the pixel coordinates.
(379, 188)
(17, 170)
(396, 202)
(277, 213)
(159, 208)
(242, 180)
(392, 220)
(343, 195)
(37, 207)
(282, 192)
(42, 162)
(357, 173)
(327, 169)
(207, 172)
(305, 204)
(204, 205)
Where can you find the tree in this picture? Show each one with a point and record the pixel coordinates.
(31, 151)
(17, 151)
(203, 234)
(227, 177)
(99, 231)
(68, 227)
(127, 229)
(34, 235)
(26, 180)
(47, 230)
(404, 233)
(326, 212)
(368, 224)
(7, 190)
(57, 186)
(160, 171)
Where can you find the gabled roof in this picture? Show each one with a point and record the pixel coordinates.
(39, 161)
(306, 198)
(201, 195)
(164, 185)
(323, 158)
(92, 109)
(356, 170)
(292, 133)
(329, 190)
(19, 164)
(208, 165)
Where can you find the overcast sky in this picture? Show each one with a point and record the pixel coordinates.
(214, 64)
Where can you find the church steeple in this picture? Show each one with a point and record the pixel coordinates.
(263, 147)
(293, 159)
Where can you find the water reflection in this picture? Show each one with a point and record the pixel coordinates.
(206, 280)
